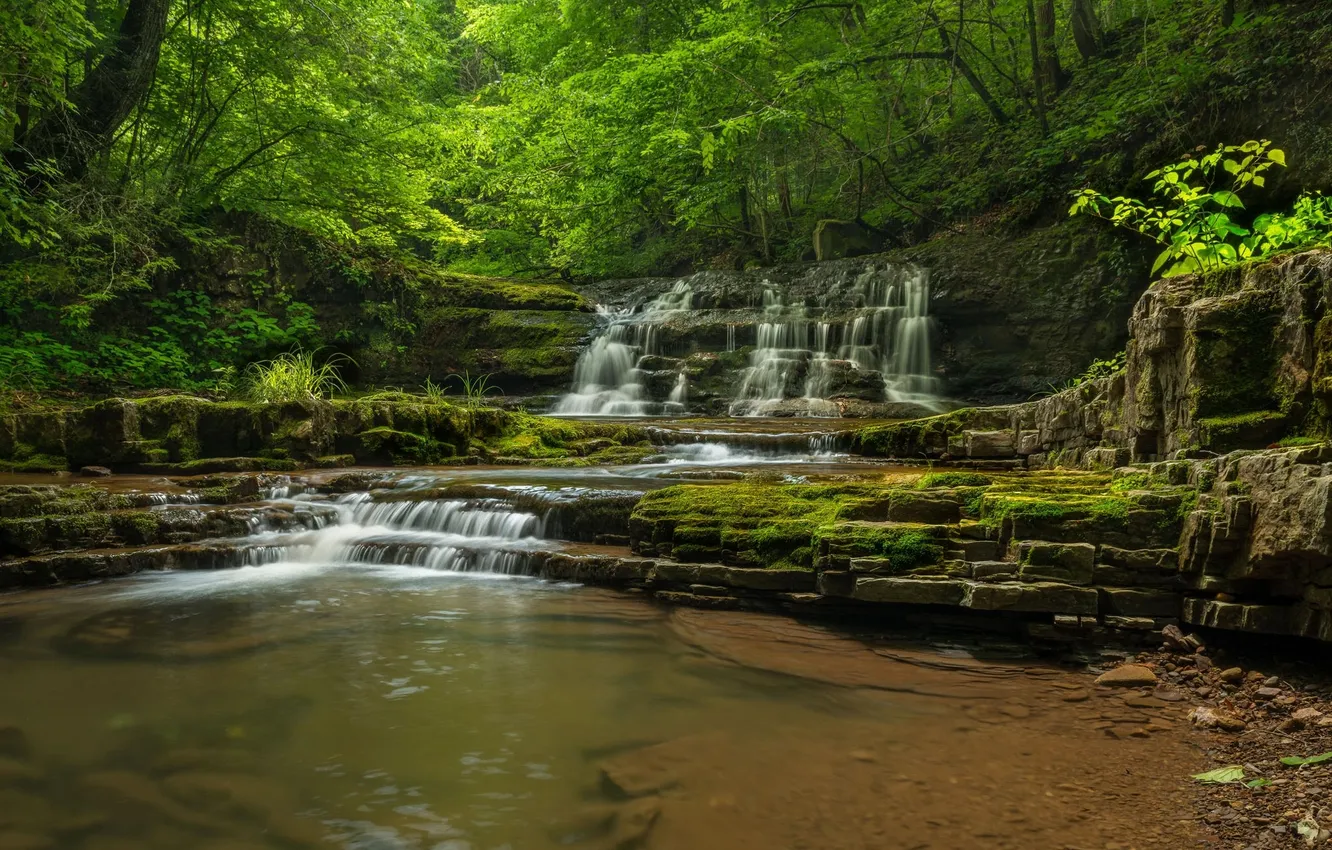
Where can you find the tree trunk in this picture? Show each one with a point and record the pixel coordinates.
(954, 57)
(107, 96)
(1050, 67)
(1036, 76)
(1227, 13)
(1086, 28)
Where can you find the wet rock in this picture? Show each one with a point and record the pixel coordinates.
(650, 769)
(585, 824)
(1080, 695)
(22, 811)
(14, 743)
(131, 795)
(634, 822)
(15, 772)
(25, 841)
(1127, 676)
(94, 472)
(237, 794)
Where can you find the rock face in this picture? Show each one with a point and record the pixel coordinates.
(1011, 315)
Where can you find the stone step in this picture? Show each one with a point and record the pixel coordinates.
(150, 526)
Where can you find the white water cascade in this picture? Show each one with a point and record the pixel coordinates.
(816, 346)
(607, 380)
(889, 335)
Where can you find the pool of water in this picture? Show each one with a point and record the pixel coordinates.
(354, 706)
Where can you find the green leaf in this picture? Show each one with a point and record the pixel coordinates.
(1222, 775)
(1162, 259)
(1296, 761)
(1258, 783)
(1277, 156)
(1228, 199)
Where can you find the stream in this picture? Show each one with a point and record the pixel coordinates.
(374, 670)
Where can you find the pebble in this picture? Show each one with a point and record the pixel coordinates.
(1232, 675)
(1267, 693)
(1077, 696)
(1272, 681)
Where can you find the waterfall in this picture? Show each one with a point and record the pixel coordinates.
(858, 336)
(607, 377)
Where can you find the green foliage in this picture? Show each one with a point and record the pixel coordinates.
(294, 376)
(1194, 219)
(1298, 761)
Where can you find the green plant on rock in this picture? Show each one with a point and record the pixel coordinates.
(474, 392)
(1195, 221)
(294, 376)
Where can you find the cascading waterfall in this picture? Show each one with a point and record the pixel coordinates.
(859, 337)
(607, 377)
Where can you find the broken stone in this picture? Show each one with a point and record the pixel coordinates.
(1211, 718)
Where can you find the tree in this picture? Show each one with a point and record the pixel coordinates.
(72, 135)
(1086, 27)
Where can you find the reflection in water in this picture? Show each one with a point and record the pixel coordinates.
(403, 708)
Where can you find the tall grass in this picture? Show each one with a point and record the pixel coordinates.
(293, 377)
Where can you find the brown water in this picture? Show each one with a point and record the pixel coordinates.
(300, 705)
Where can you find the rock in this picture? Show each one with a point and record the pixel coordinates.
(238, 794)
(25, 841)
(1210, 718)
(1267, 693)
(1127, 676)
(132, 795)
(95, 472)
(1272, 681)
(1167, 694)
(1081, 695)
(634, 822)
(1232, 675)
(15, 772)
(912, 591)
(1179, 642)
(24, 812)
(1067, 562)
(1307, 715)
(14, 743)
(650, 769)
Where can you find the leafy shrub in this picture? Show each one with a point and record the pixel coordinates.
(1194, 222)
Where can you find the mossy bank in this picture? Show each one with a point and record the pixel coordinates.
(186, 434)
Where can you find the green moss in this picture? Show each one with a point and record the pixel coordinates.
(1296, 442)
(954, 479)
(1244, 431)
(1137, 481)
(907, 547)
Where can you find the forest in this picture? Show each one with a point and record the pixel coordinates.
(565, 141)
